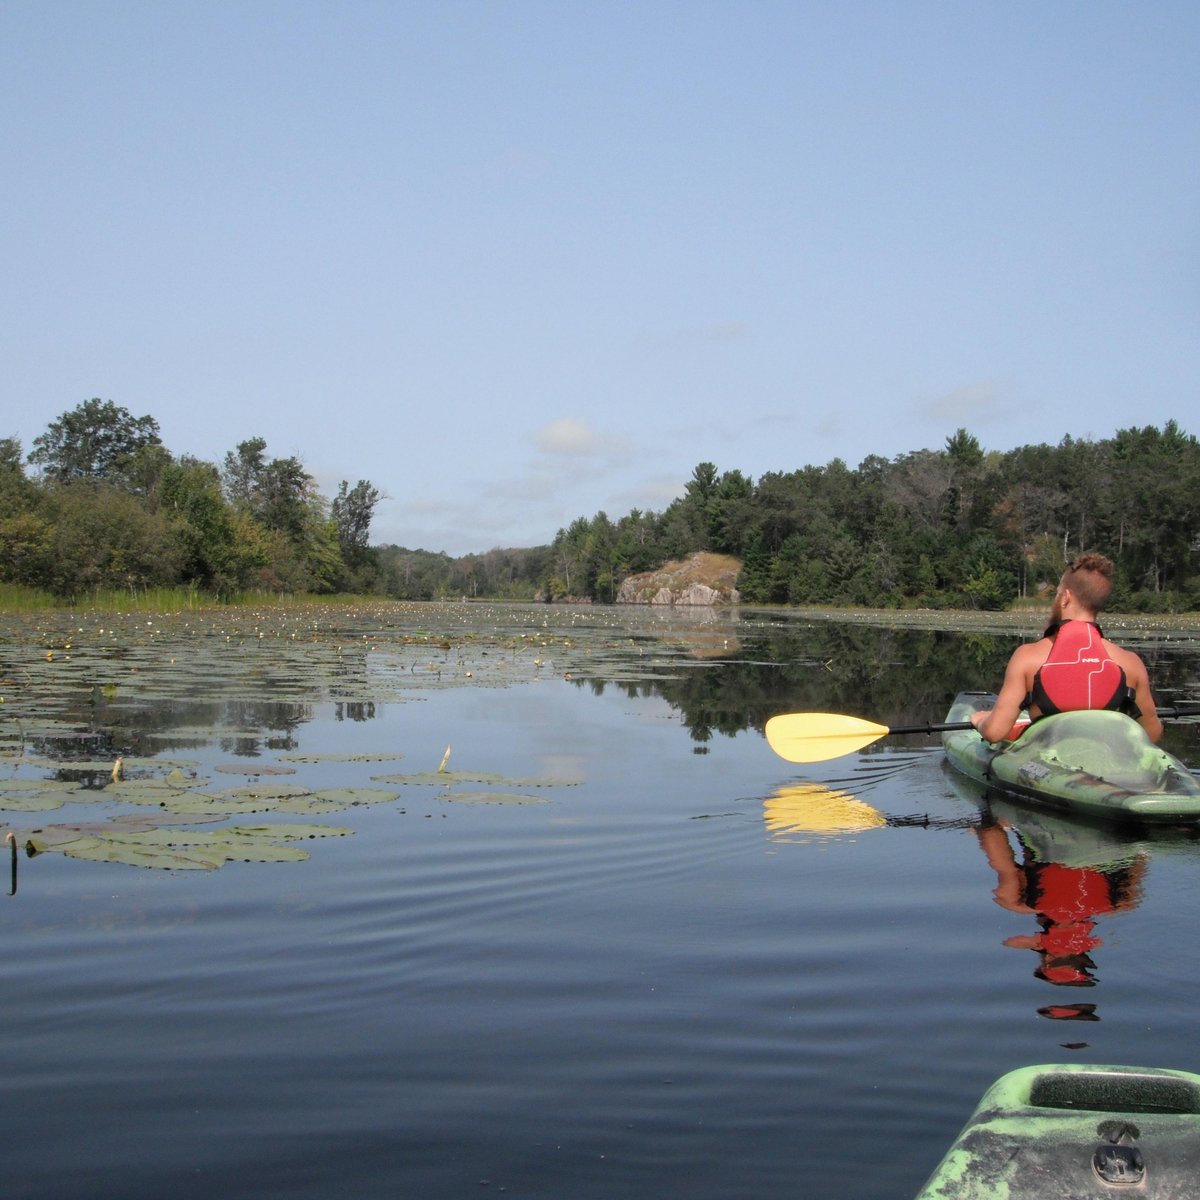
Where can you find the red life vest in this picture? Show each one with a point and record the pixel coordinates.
(1078, 673)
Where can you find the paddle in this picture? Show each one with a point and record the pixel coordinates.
(816, 737)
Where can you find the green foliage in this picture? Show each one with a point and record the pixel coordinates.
(352, 510)
(96, 440)
(113, 510)
(105, 537)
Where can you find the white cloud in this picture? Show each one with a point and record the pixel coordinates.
(574, 437)
(972, 402)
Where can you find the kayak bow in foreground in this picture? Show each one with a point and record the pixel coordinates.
(1077, 1131)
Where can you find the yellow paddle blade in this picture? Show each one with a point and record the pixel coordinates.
(817, 737)
(813, 808)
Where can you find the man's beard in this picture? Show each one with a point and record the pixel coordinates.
(1056, 608)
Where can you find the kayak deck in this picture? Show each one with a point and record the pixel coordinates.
(1077, 1131)
(1096, 763)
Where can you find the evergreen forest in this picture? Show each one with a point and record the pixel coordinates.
(99, 504)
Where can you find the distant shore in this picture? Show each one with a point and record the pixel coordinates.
(1119, 626)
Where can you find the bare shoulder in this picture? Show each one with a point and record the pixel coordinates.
(1031, 654)
(1130, 662)
(1027, 659)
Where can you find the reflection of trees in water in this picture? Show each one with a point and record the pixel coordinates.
(241, 727)
(247, 701)
(897, 675)
(724, 671)
(354, 711)
(894, 675)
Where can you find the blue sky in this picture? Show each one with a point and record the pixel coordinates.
(517, 262)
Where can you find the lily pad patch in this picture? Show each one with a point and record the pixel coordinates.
(491, 798)
(340, 758)
(451, 778)
(179, 850)
(253, 769)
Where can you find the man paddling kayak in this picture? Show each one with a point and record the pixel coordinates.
(1073, 666)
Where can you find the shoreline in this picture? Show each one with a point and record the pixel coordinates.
(1141, 626)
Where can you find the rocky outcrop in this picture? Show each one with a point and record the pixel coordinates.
(702, 579)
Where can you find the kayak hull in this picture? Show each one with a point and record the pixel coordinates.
(1096, 764)
(1077, 1131)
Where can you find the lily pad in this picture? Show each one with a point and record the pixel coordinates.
(290, 832)
(491, 798)
(267, 791)
(178, 849)
(138, 791)
(264, 852)
(340, 758)
(54, 837)
(248, 769)
(361, 795)
(450, 778)
(135, 855)
(309, 806)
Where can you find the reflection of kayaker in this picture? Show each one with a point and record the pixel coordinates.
(1065, 897)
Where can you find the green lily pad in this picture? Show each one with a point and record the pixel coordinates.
(267, 791)
(40, 786)
(248, 769)
(450, 778)
(491, 798)
(138, 791)
(179, 849)
(361, 795)
(224, 803)
(266, 852)
(340, 758)
(309, 806)
(54, 837)
(134, 855)
(290, 832)
(83, 766)
(30, 803)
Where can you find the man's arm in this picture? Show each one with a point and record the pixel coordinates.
(1138, 678)
(994, 725)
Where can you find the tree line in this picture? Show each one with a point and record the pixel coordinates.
(111, 508)
(951, 528)
(108, 506)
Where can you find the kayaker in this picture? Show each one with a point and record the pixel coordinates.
(1073, 666)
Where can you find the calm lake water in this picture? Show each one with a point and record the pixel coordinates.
(615, 948)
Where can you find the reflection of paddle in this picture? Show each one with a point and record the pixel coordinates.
(819, 808)
(816, 736)
(814, 808)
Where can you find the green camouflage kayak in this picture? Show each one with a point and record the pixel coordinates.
(1094, 763)
(1077, 1132)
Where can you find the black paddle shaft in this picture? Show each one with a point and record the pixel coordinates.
(1179, 710)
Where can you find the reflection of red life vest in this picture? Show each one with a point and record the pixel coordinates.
(1078, 673)
(1066, 899)
(1069, 895)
